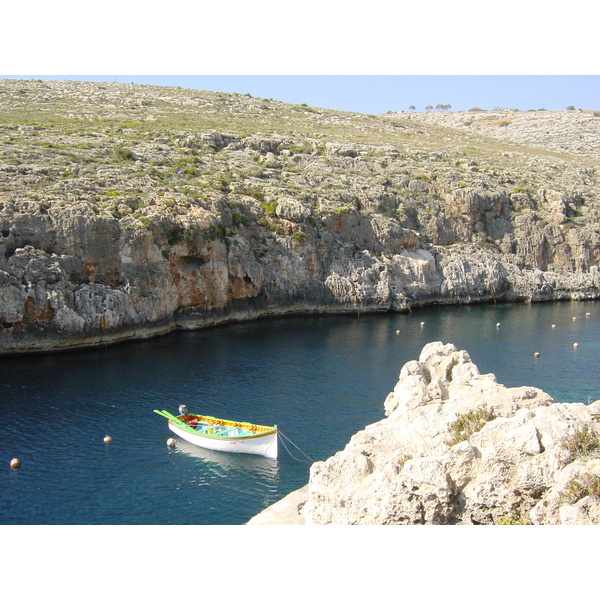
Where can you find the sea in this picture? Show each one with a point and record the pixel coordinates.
(320, 379)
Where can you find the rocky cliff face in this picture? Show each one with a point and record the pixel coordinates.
(457, 447)
(127, 211)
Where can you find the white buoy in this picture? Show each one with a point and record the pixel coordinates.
(575, 345)
(107, 438)
(397, 332)
(536, 354)
(574, 318)
(171, 442)
(422, 323)
(497, 324)
(553, 325)
(588, 314)
(15, 463)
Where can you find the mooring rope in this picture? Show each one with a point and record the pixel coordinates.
(290, 441)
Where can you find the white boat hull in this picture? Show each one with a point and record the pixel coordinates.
(263, 445)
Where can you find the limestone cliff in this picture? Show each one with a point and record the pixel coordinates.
(128, 210)
(457, 447)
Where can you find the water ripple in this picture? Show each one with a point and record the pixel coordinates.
(318, 379)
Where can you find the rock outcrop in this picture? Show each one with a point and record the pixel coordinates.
(127, 211)
(457, 447)
(571, 131)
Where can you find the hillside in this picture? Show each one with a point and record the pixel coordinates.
(129, 210)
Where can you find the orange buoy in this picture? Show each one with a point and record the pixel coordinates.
(107, 438)
(15, 463)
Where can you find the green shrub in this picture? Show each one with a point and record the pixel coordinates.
(239, 219)
(511, 520)
(269, 208)
(300, 237)
(580, 487)
(468, 424)
(522, 190)
(301, 149)
(253, 192)
(145, 222)
(223, 182)
(582, 444)
(121, 154)
(174, 236)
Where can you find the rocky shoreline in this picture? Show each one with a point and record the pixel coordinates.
(127, 211)
(457, 448)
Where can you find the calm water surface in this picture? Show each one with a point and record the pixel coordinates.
(320, 379)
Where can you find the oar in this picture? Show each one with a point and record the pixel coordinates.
(179, 422)
(165, 414)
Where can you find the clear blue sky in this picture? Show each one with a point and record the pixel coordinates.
(377, 94)
(371, 58)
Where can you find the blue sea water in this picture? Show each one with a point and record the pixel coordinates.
(319, 378)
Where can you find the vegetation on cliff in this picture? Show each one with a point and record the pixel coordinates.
(126, 210)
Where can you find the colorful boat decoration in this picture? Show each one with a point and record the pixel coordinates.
(223, 435)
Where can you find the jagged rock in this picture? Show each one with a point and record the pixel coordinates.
(457, 447)
(292, 210)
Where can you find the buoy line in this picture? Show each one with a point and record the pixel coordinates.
(290, 441)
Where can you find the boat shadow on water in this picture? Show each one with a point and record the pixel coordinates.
(226, 463)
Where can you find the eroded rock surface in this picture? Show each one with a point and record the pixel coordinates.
(457, 447)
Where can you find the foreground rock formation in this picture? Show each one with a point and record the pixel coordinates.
(457, 447)
(127, 211)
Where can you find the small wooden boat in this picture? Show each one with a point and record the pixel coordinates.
(223, 435)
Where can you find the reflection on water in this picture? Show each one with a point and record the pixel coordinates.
(223, 463)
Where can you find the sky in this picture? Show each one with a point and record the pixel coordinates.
(378, 94)
(370, 58)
